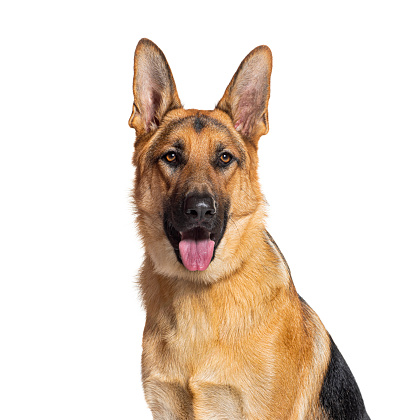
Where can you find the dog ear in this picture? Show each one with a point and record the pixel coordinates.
(246, 98)
(153, 87)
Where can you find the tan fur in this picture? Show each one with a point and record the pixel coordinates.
(233, 341)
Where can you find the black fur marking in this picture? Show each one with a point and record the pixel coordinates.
(198, 124)
(302, 300)
(205, 120)
(174, 236)
(271, 242)
(340, 396)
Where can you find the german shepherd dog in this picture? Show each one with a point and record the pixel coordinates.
(226, 335)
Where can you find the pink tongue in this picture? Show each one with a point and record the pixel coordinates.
(196, 253)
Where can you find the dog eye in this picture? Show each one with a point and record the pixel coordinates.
(225, 158)
(170, 157)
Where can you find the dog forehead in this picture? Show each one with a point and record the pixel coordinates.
(198, 123)
(199, 129)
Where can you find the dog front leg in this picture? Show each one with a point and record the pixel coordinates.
(216, 402)
(168, 401)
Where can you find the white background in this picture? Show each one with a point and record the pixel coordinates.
(334, 169)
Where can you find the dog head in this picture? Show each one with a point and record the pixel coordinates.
(196, 188)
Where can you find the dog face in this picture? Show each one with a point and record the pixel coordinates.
(196, 188)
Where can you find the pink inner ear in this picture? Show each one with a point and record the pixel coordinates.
(248, 109)
(151, 105)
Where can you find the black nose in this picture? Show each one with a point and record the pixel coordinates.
(199, 208)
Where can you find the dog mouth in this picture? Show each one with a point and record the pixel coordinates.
(194, 248)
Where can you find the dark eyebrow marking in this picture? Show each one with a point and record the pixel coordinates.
(198, 120)
(220, 148)
(179, 145)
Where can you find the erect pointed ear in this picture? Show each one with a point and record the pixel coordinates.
(246, 98)
(153, 87)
